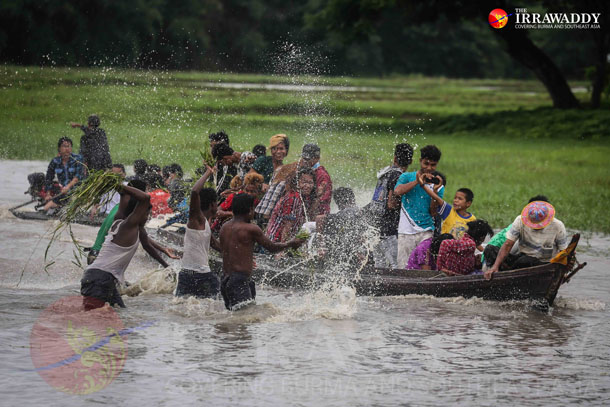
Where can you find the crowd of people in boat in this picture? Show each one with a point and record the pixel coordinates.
(250, 201)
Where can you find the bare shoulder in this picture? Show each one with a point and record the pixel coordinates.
(253, 228)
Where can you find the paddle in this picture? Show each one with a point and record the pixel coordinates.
(23, 204)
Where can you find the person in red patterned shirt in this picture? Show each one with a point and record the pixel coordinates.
(294, 208)
(324, 186)
(456, 257)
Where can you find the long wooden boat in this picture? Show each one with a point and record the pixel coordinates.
(29, 214)
(539, 284)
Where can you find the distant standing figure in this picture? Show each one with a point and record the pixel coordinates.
(94, 145)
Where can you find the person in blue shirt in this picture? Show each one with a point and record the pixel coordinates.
(67, 169)
(416, 223)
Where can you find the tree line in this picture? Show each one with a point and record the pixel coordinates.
(336, 37)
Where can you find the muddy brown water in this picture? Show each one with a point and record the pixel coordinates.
(326, 347)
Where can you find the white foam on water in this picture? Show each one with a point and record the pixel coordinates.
(580, 304)
(194, 307)
(329, 302)
(158, 281)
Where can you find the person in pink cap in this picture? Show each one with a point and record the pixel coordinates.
(540, 237)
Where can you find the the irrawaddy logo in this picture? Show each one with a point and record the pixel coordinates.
(498, 18)
(78, 351)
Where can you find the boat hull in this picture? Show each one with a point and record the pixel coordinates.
(539, 283)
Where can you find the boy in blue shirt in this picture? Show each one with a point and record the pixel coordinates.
(416, 223)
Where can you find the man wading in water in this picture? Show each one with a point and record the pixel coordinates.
(99, 283)
(196, 278)
(237, 238)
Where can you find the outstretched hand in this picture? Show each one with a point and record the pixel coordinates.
(171, 253)
(295, 243)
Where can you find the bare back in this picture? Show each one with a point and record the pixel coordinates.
(237, 240)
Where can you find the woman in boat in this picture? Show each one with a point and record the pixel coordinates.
(294, 208)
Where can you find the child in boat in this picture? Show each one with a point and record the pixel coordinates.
(457, 217)
(425, 254)
(456, 257)
(196, 278)
(253, 186)
(237, 238)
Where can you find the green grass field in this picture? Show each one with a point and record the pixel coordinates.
(500, 138)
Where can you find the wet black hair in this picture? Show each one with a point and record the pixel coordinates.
(344, 197)
(478, 229)
(242, 204)
(139, 167)
(259, 150)
(542, 198)
(436, 242)
(431, 152)
(175, 168)
(117, 165)
(220, 136)
(207, 196)
(153, 168)
(469, 194)
(404, 154)
(138, 183)
(221, 150)
(153, 180)
(93, 120)
(62, 140)
(166, 170)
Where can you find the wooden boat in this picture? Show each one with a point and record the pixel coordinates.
(539, 284)
(31, 214)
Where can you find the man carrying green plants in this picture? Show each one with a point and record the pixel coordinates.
(102, 276)
(149, 245)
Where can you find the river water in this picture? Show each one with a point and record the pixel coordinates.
(306, 348)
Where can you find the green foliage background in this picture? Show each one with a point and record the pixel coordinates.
(500, 138)
(247, 35)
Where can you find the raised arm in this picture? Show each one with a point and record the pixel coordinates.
(140, 213)
(430, 191)
(195, 214)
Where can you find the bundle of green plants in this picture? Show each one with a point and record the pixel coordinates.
(96, 189)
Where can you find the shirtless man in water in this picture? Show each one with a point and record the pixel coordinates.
(237, 238)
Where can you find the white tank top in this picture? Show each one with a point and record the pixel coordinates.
(114, 258)
(196, 249)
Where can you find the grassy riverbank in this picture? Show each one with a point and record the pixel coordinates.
(500, 138)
